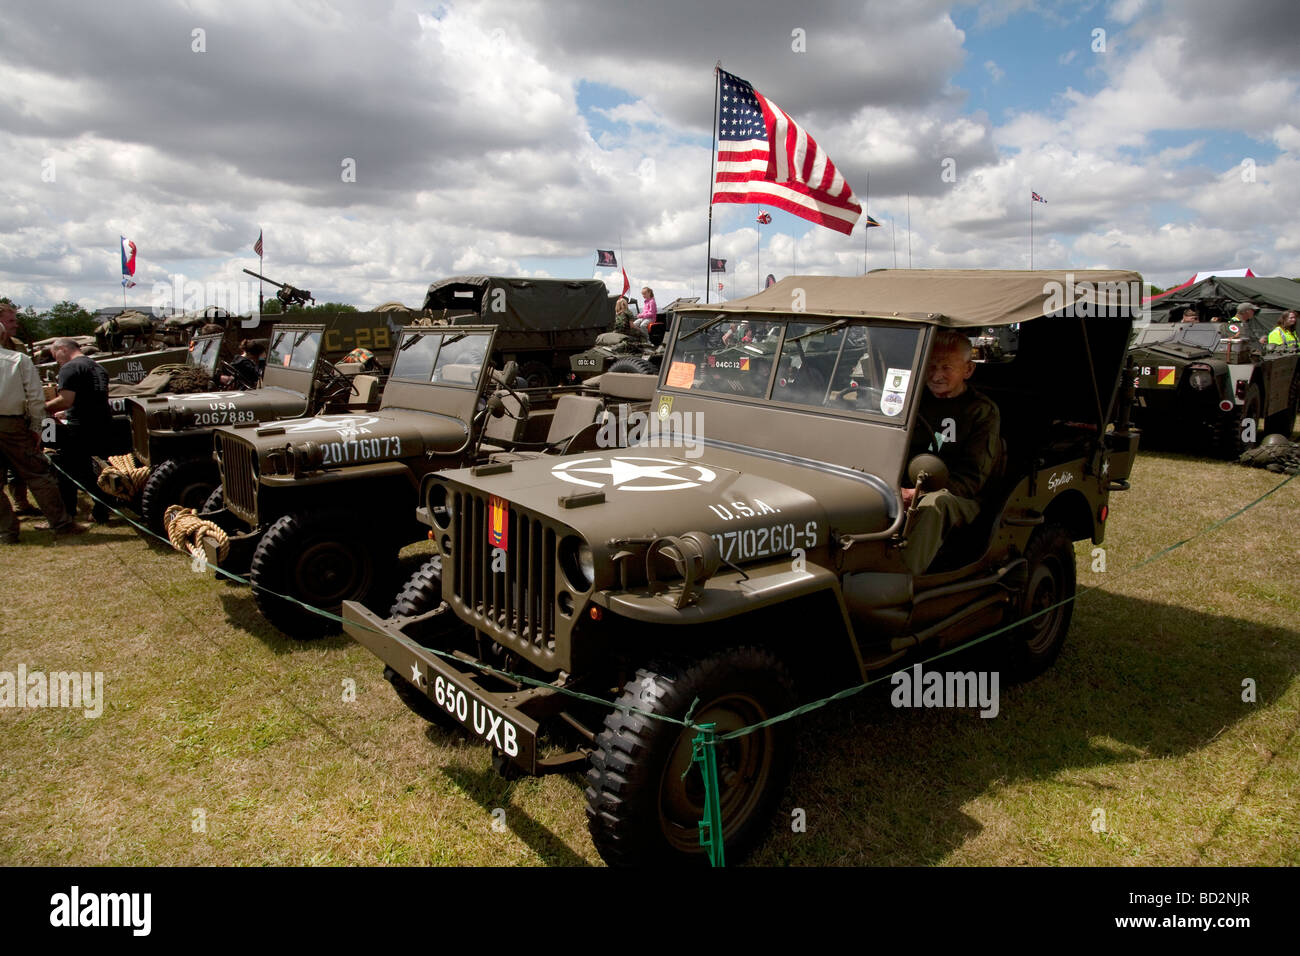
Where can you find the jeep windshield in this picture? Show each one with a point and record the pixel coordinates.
(205, 353)
(294, 348)
(441, 358)
(855, 366)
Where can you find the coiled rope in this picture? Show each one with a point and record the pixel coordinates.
(186, 531)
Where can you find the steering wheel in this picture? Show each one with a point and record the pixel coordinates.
(235, 378)
(332, 381)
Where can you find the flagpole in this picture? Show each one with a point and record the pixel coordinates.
(713, 165)
(909, 230)
(866, 206)
(758, 279)
(893, 241)
(1031, 232)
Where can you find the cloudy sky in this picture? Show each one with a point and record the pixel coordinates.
(383, 144)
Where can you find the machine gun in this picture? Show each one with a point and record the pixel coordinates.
(287, 294)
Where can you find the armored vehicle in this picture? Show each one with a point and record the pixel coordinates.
(620, 352)
(1208, 384)
(294, 492)
(748, 554)
(543, 321)
(172, 434)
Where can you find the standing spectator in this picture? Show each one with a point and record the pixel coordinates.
(21, 414)
(83, 395)
(17, 487)
(649, 311)
(1284, 335)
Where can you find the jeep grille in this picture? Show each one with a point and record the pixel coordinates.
(140, 432)
(239, 478)
(516, 607)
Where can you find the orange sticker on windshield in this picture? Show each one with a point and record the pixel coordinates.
(681, 375)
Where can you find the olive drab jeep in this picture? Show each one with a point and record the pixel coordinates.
(747, 554)
(318, 508)
(172, 433)
(1210, 384)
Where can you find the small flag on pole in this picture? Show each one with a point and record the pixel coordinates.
(763, 218)
(605, 257)
(257, 246)
(626, 285)
(717, 265)
(869, 222)
(1034, 197)
(128, 256)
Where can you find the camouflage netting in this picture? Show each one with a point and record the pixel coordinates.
(165, 378)
(1282, 457)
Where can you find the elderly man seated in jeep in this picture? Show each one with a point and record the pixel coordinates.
(962, 426)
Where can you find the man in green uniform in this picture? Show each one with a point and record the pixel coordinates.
(963, 427)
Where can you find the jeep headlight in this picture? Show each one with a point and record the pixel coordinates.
(577, 563)
(1200, 378)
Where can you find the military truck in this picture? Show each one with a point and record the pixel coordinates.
(545, 321)
(750, 556)
(318, 508)
(620, 352)
(1209, 384)
(172, 434)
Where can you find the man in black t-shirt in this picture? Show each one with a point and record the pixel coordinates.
(83, 395)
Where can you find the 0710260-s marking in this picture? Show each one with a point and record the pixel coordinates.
(748, 543)
(360, 449)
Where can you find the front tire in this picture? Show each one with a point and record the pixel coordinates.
(634, 364)
(185, 481)
(1035, 644)
(639, 808)
(321, 559)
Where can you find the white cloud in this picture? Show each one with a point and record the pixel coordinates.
(994, 71)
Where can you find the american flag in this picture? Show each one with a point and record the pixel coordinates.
(1034, 197)
(764, 156)
(717, 265)
(257, 246)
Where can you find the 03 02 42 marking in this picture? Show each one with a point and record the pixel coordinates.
(748, 543)
(345, 452)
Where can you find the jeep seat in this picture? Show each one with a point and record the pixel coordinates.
(501, 433)
(367, 391)
(574, 426)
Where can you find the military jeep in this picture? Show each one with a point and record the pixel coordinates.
(1208, 384)
(318, 508)
(748, 555)
(172, 433)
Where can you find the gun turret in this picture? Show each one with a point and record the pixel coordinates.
(287, 294)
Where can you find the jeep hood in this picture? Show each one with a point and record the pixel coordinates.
(408, 434)
(651, 492)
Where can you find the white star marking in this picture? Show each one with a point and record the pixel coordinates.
(417, 678)
(626, 475)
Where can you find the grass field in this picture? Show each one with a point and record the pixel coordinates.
(222, 742)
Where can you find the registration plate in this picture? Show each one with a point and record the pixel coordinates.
(493, 727)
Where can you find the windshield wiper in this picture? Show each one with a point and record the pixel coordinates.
(707, 325)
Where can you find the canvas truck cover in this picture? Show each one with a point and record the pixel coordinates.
(956, 298)
(1272, 294)
(525, 305)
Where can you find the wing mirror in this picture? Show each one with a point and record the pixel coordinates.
(927, 472)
